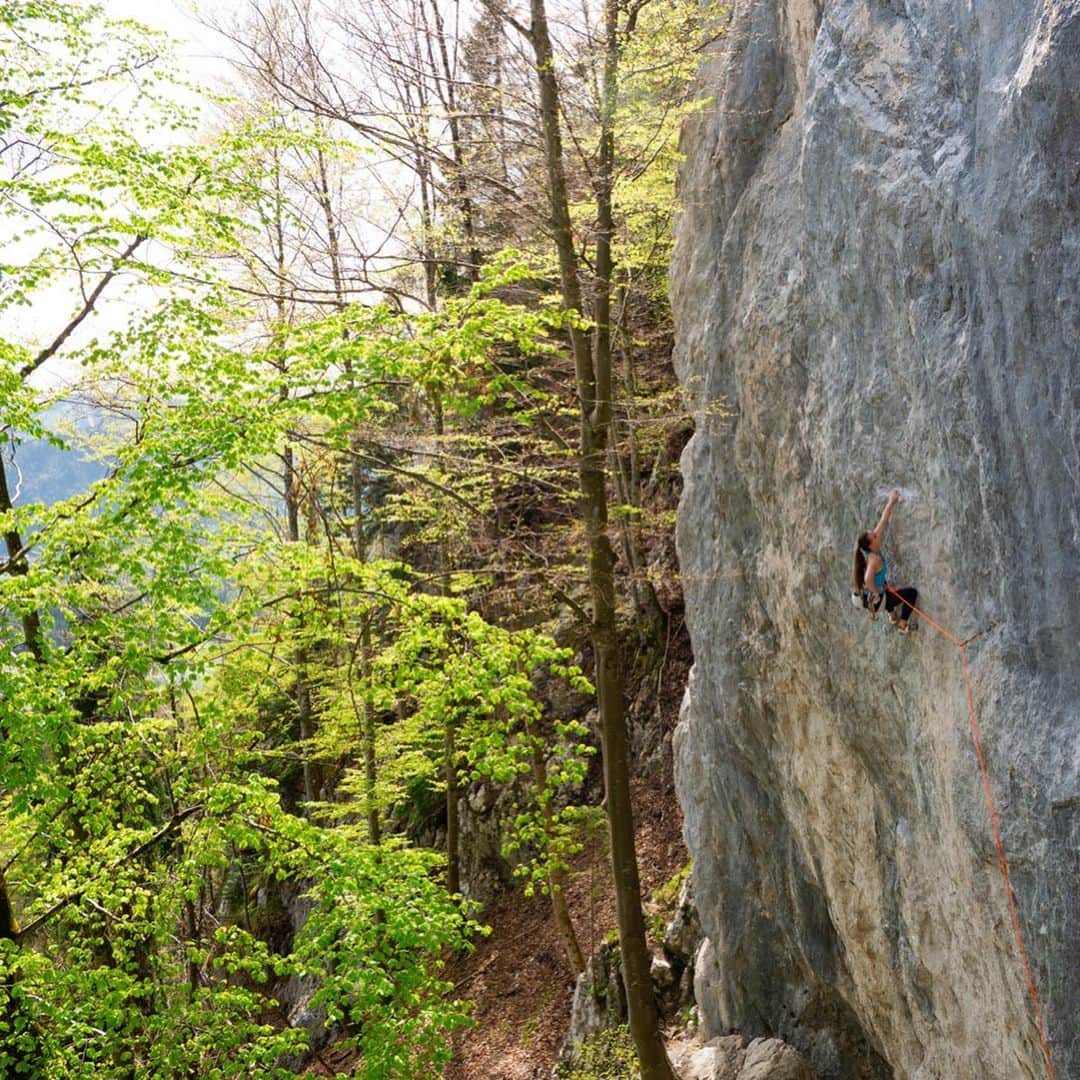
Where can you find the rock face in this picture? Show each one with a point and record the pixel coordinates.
(877, 274)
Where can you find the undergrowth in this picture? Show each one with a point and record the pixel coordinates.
(608, 1055)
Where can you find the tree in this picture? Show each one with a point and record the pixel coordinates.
(593, 371)
(137, 803)
(455, 670)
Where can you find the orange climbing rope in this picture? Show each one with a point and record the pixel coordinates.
(1002, 862)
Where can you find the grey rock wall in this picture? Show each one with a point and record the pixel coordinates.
(877, 273)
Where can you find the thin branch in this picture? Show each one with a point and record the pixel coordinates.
(50, 350)
(504, 16)
(169, 827)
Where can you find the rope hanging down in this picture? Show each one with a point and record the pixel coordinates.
(1002, 862)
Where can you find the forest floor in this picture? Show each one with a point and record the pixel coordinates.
(519, 979)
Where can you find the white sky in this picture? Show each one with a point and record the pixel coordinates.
(198, 46)
(200, 54)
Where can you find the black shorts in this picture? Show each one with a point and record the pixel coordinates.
(906, 600)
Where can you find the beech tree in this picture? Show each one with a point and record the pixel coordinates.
(586, 297)
(136, 801)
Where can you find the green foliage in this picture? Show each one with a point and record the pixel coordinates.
(220, 1033)
(454, 668)
(665, 898)
(659, 52)
(658, 65)
(376, 936)
(667, 894)
(608, 1055)
(150, 728)
(60, 1019)
(138, 800)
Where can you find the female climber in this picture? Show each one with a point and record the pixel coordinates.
(869, 576)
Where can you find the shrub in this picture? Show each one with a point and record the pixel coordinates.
(608, 1055)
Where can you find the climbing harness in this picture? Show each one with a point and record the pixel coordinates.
(1002, 862)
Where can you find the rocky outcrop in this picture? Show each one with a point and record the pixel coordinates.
(599, 1001)
(730, 1058)
(482, 813)
(876, 276)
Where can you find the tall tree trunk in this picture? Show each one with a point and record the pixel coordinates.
(17, 564)
(628, 471)
(302, 692)
(24, 1058)
(368, 710)
(356, 537)
(593, 375)
(300, 655)
(453, 821)
(450, 751)
(370, 759)
(646, 603)
(291, 485)
(446, 88)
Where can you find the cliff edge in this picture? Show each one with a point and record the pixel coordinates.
(876, 278)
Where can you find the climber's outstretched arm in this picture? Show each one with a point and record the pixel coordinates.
(894, 498)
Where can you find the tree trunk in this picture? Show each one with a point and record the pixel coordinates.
(303, 712)
(356, 536)
(594, 391)
(446, 88)
(370, 760)
(453, 826)
(291, 485)
(646, 603)
(368, 715)
(17, 564)
(450, 752)
(302, 693)
(20, 1058)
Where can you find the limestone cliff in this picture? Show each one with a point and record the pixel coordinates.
(877, 272)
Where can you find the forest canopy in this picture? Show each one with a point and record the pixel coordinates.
(359, 377)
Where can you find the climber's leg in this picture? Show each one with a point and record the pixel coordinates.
(905, 601)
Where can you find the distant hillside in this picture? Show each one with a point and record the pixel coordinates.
(49, 474)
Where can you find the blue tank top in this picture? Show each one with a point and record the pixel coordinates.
(881, 576)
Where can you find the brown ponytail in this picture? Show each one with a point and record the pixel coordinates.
(858, 570)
